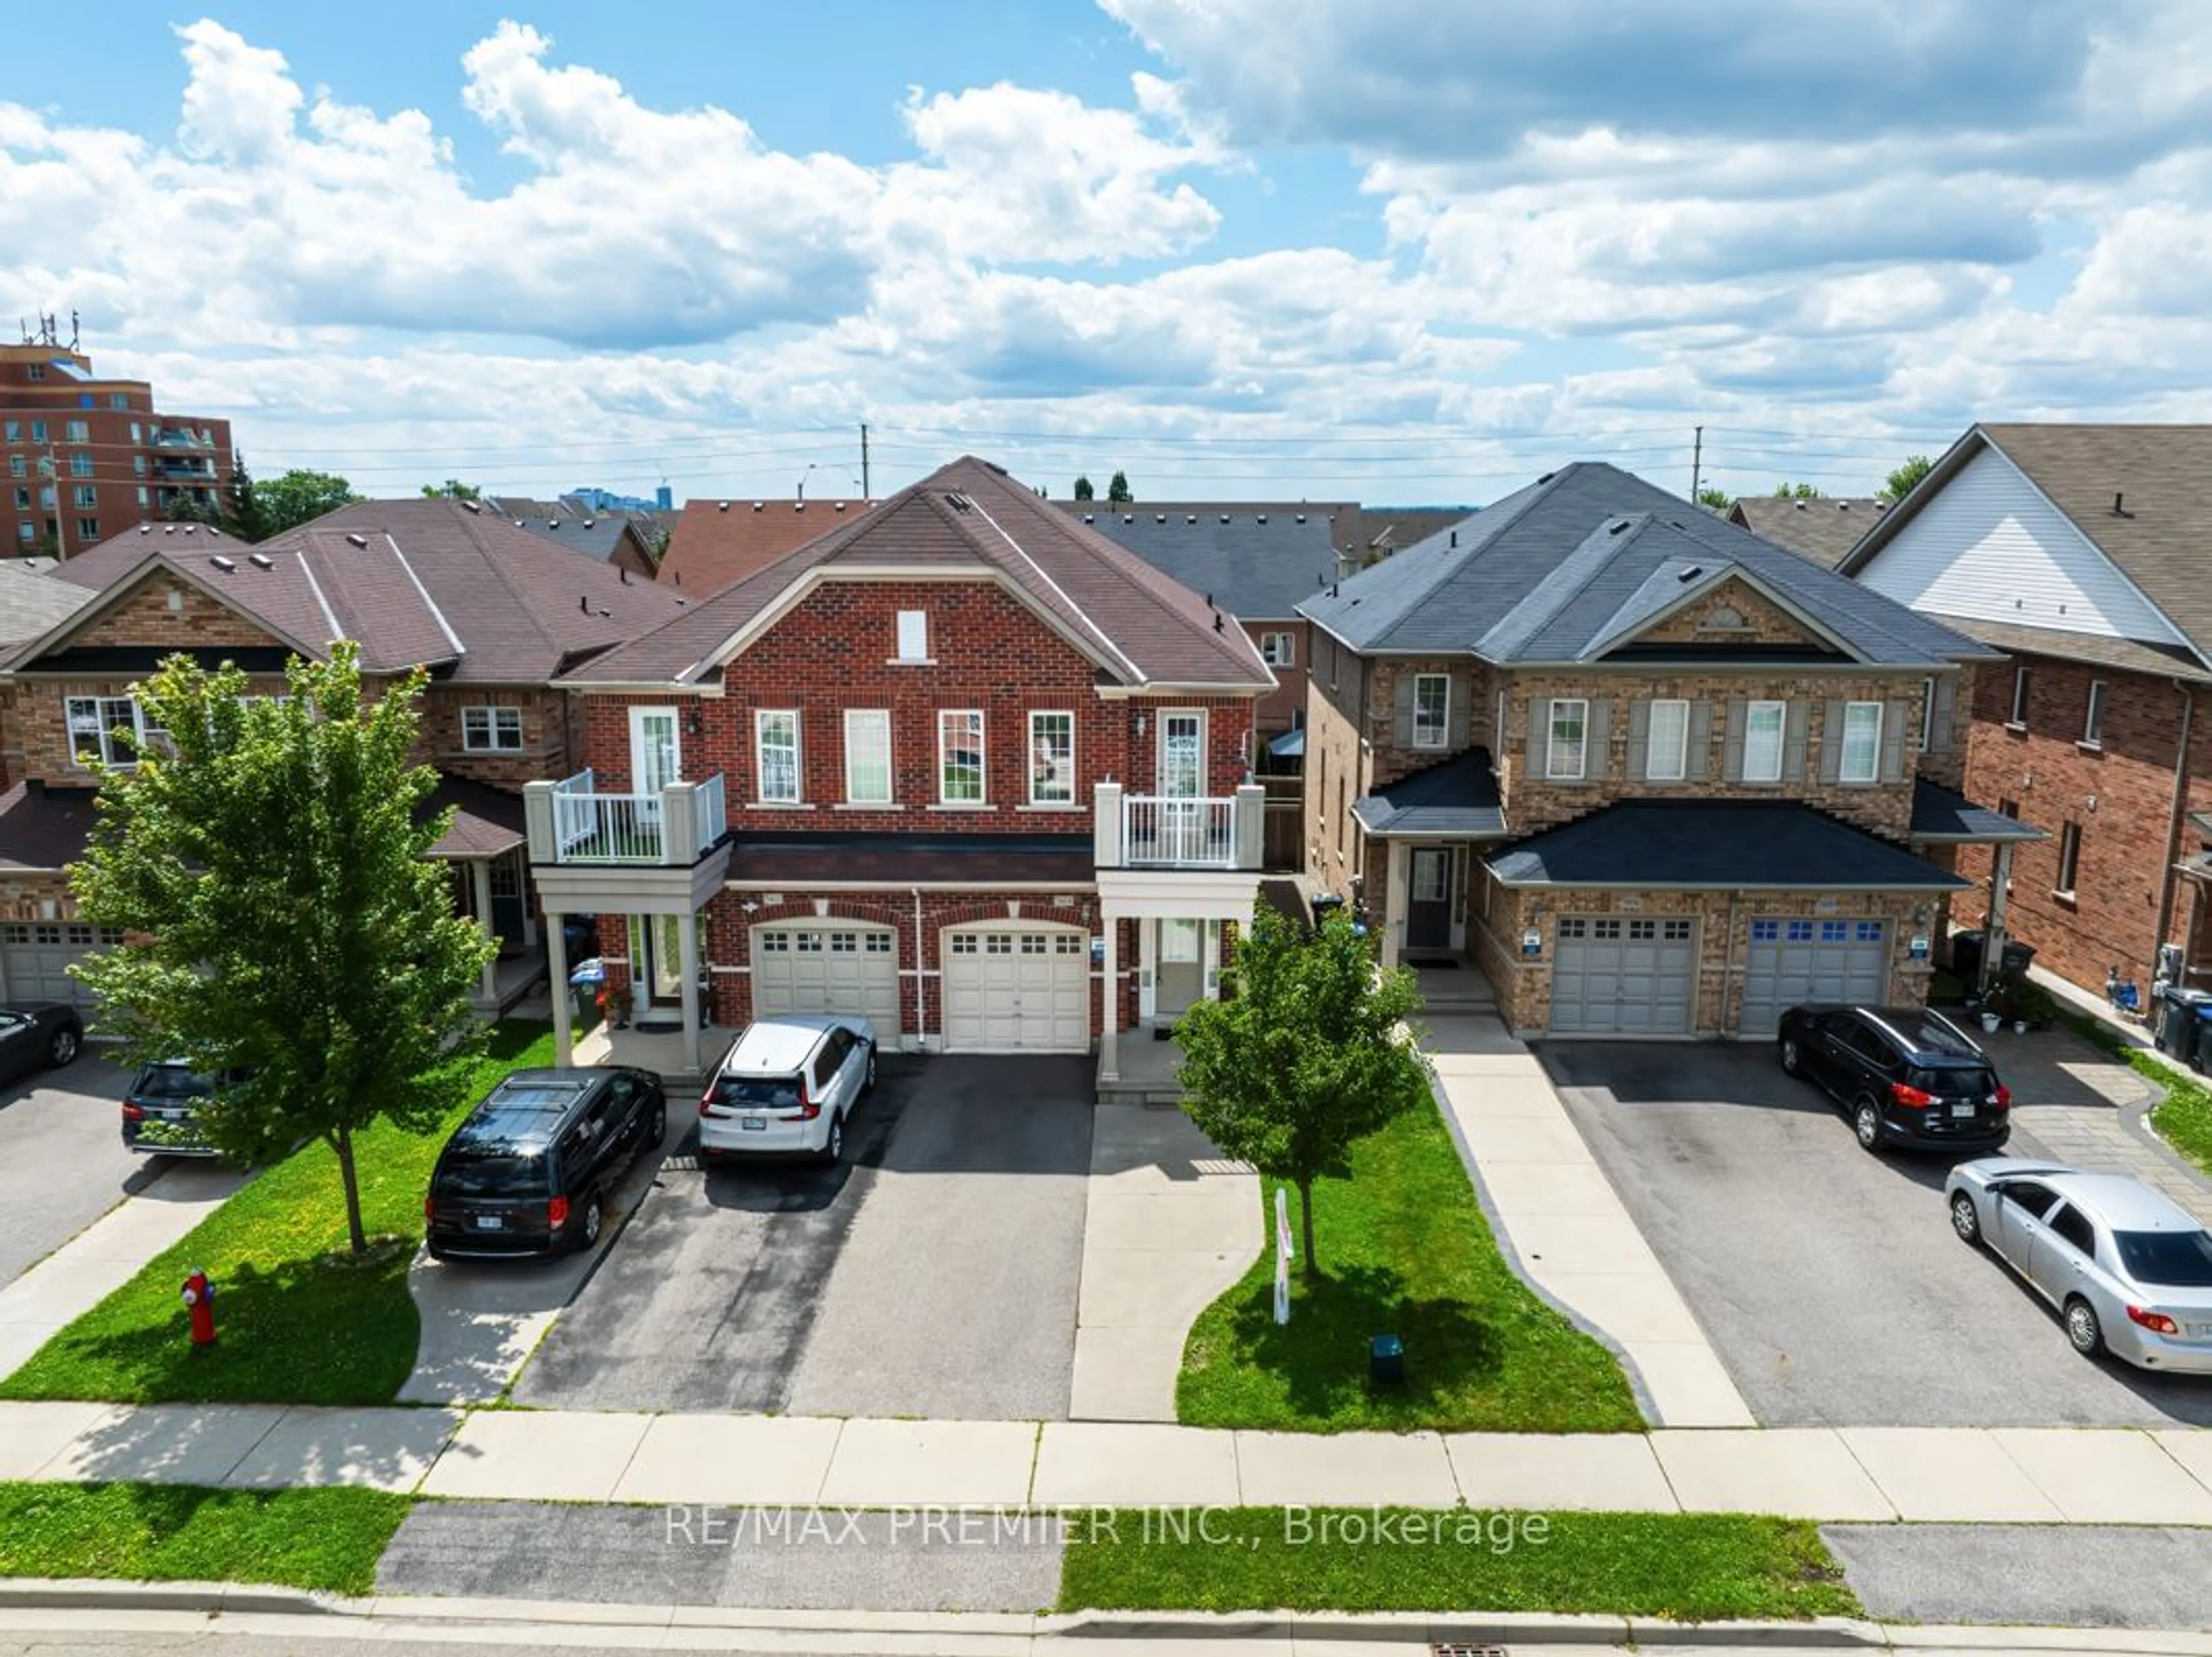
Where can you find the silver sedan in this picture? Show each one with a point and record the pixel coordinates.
(2129, 1269)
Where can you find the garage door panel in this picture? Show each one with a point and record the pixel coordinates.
(1623, 975)
(36, 956)
(1807, 957)
(827, 968)
(1016, 989)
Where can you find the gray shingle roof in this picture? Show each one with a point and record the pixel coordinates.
(31, 603)
(1256, 564)
(1551, 572)
(1716, 844)
(1944, 814)
(1458, 796)
(1822, 529)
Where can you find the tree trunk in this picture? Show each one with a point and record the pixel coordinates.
(342, 1142)
(1305, 1211)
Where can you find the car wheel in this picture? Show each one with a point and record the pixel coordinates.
(63, 1047)
(1965, 1219)
(833, 1151)
(2083, 1332)
(657, 1131)
(1793, 1061)
(869, 1086)
(587, 1234)
(1865, 1124)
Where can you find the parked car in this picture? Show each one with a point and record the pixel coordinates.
(161, 1110)
(1903, 1075)
(37, 1036)
(786, 1085)
(531, 1168)
(2128, 1268)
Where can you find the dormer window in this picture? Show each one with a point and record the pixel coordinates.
(914, 636)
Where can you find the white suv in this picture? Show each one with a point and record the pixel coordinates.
(786, 1086)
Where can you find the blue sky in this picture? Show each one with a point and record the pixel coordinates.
(1370, 248)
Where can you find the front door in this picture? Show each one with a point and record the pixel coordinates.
(656, 758)
(1180, 969)
(1428, 899)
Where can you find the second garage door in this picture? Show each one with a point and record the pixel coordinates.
(1620, 975)
(35, 956)
(835, 967)
(1013, 989)
(1807, 958)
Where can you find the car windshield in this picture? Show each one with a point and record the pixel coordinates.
(171, 1082)
(759, 1092)
(2171, 1259)
(469, 1175)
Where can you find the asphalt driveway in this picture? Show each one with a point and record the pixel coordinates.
(1829, 1280)
(62, 1161)
(934, 1274)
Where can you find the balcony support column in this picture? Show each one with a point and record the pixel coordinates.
(1106, 848)
(1393, 903)
(1109, 1036)
(480, 874)
(556, 961)
(687, 946)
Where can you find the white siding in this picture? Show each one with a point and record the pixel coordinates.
(1989, 547)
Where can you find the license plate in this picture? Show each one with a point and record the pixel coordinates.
(753, 1124)
(488, 1222)
(2198, 1332)
(1967, 1109)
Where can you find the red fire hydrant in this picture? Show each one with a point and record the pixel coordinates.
(199, 1299)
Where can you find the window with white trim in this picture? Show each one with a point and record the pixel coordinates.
(112, 730)
(1667, 740)
(1861, 760)
(1762, 740)
(1927, 712)
(1566, 744)
(491, 730)
(1279, 649)
(2019, 681)
(1431, 709)
(775, 749)
(1051, 758)
(2070, 858)
(2092, 720)
(914, 636)
(867, 757)
(960, 756)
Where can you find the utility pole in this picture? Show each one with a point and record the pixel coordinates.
(866, 495)
(1697, 462)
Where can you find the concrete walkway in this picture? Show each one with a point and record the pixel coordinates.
(1564, 1227)
(2065, 1475)
(1170, 1224)
(106, 1255)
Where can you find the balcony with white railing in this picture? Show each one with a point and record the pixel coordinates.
(574, 821)
(1164, 831)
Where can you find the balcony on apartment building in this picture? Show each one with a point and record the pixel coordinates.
(179, 437)
(1153, 831)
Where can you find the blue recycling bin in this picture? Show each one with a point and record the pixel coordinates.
(583, 986)
(1386, 1361)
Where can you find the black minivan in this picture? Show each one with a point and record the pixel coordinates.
(531, 1170)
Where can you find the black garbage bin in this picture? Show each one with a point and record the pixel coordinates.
(1966, 957)
(2016, 959)
(2180, 1021)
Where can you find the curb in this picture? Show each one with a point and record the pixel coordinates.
(91, 1593)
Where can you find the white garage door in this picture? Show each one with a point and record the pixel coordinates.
(1806, 959)
(36, 955)
(1619, 975)
(1015, 989)
(837, 967)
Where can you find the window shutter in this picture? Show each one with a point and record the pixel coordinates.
(1640, 737)
(1455, 718)
(1794, 717)
(1739, 711)
(1832, 743)
(1540, 736)
(1895, 716)
(1942, 710)
(1699, 762)
(1402, 712)
(1597, 758)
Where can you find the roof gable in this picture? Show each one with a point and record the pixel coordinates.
(134, 610)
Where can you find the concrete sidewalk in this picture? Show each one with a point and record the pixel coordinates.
(2063, 1476)
(1564, 1226)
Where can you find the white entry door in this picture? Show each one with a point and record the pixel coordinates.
(1013, 989)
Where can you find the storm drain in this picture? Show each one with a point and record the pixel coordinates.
(1455, 1650)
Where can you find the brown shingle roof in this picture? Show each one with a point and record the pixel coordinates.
(1822, 529)
(429, 583)
(43, 831)
(717, 544)
(1144, 627)
(2091, 648)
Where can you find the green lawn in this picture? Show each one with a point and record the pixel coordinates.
(1406, 1250)
(300, 1322)
(328, 1539)
(1682, 1566)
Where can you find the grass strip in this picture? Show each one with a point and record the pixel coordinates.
(300, 1320)
(1684, 1567)
(327, 1539)
(2184, 1117)
(1404, 1250)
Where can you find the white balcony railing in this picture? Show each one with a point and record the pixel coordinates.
(1177, 833)
(678, 825)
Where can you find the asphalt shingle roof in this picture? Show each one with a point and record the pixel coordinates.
(718, 543)
(1456, 796)
(1944, 814)
(1714, 844)
(1553, 571)
(2135, 656)
(971, 516)
(31, 603)
(1255, 565)
(1822, 529)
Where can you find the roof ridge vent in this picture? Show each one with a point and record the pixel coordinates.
(471, 506)
(355, 539)
(261, 561)
(224, 565)
(1225, 518)
(1190, 518)
(591, 523)
(953, 498)
(145, 529)
(1261, 519)
(1616, 527)
(1302, 517)
(1689, 572)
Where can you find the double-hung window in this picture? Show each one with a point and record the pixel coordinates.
(867, 757)
(960, 756)
(775, 745)
(1278, 650)
(2093, 723)
(1762, 741)
(1431, 709)
(1052, 759)
(1566, 749)
(491, 730)
(1667, 740)
(1862, 738)
(111, 730)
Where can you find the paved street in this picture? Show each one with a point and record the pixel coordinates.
(2130, 1577)
(1827, 1279)
(62, 1161)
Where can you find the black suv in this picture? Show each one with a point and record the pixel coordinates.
(531, 1170)
(1904, 1075)
(160, 1114)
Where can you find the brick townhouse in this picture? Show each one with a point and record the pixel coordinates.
(1645, 772)
(492, 613)
(955, 764)
(2078, 551)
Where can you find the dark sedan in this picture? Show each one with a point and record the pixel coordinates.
(1903, 1075)
(43, 1035)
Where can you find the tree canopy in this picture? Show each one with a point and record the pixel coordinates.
(1719, 499)
(296, 498)
(1786, 491)
(1899, 483)
(1117, 488)
(1305, 1054)
(268, 858)
(453, 490)
(1084, 492)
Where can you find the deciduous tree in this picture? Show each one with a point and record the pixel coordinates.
(299, 497)
(1899, 483)
(1117, 488)
(1084, 492)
